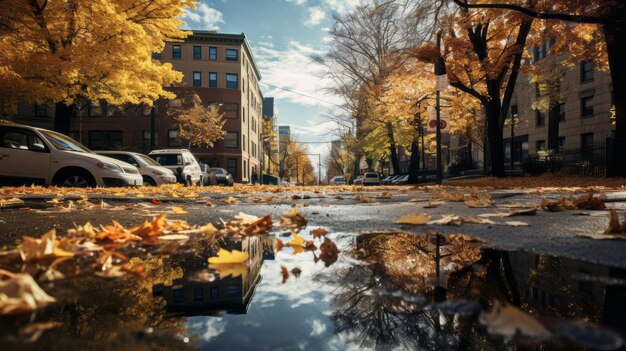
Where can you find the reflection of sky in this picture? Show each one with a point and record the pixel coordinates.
(290, 316)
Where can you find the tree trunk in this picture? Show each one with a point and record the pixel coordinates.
(494, 136)
(392, 149)
(616, 50)
(63, 117)
(553, 128)
(415, 163)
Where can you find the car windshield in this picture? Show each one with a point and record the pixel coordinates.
(168, 159)
(218, 171)
(371, 175)
(147, 160)
(63, 142)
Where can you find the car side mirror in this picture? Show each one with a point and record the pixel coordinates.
(37, 148)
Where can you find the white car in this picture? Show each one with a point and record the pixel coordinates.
(181, 162)
(339, 180)
(31, 155)
(152, 172)
(371, 178)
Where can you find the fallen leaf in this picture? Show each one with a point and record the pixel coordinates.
(157, 201)
(523, 212)
(509, 321)
(230, 200)
(285, 273)
(517, 224)
(330, 252)
(318, 232)
(279, 245)
(11, 202)
(31, 249)
(384, 195)
(309, 245)
(590, 202)
(448, 220)
(296, 241)
(178, 210)
(174, 237)
(363, 198)
(229, 257)
(615, 226)
(477, 220)
(259, 227)
(296, 271)
(21, 294)
(479, 203)
(414, 219)
(293, 219)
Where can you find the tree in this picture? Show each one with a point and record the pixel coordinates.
(607, 15)
(548, 78)
(368, 44)
(483, 53)
(270, 144)
(65, 53)
(198, 125)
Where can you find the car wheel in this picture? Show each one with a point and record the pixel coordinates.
(148, 181)
(76, 179)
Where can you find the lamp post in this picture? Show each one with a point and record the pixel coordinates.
(441, 84)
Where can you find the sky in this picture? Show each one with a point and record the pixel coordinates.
(284, 34)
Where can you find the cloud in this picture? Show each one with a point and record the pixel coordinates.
(317, 327)
(203, 17)
(316, 15)
(341, 6)
(297, 2)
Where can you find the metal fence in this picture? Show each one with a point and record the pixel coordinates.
(592, 160)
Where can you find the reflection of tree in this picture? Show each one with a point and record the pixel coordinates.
(105, 311)
(405, 263)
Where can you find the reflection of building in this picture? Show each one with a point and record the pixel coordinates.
(270, 147)
(192, 296)
(284, 134)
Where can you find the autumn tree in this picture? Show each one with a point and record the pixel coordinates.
(198, 125)
(368, 44)
(65, 53)
(270, 144)
(483, 54)
(594, 17)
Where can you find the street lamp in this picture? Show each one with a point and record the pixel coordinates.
(441, 84)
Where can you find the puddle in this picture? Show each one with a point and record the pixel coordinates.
(382, 291)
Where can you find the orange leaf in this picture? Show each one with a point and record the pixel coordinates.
(285, 273)
(318, 232)
(157, 201)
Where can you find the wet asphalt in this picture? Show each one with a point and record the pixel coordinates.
(552, 233)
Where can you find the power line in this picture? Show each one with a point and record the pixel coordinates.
(305, 95)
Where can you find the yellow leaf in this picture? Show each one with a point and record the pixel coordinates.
(225, 256)
(414, 219)
(178, 210)
(296, 241)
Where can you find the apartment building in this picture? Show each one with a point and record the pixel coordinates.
(270, 114)
(584, 119)
(221, 69)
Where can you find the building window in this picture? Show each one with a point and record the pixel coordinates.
(244, 142)
(198, 294)
(172, 138)
(540, 119)
(245, 169)
(105, 139)
(214, 293)
(213, 80)
(232, 55)
(540, 145)
(95, 109)
(561, 143)
(232, 81)
(586, 107)
(231, 111)
(176, 52)
(231, 140)
(156, 55)
(586, 140)
(197, 52)
(41, 110)
(178, 295)
(231, 166)
(212, 53)
(197, 79)
(586, 71)
(561, 112)
(145, 138)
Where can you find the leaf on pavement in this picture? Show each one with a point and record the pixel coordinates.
(293, 219)
(478, 220)
(330, 252)
(523, 212)
(279, 245)
(31, 249)
(448, 220)
(414, 219)
(174, 237)
(259, 227)
(509, 321)
(178, 210)
(228, 257)
(516, 224)
(19, 293)
(479, 203)
(157, 201)
(296, 241)
(14, 201)
(384, 195)
(230, 200)
(590, 202)
(318, 232)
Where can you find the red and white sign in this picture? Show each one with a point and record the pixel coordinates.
(444, 120)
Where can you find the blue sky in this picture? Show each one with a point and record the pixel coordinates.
(283, 35)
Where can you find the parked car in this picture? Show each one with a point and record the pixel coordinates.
(387, 179)
(358, 180)
(371, 178)
(181, 162)
(208, 178)
(402, 180)
(393, 178)
(222, 176)
(339, 180)
(151, 172)
(34, 155)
